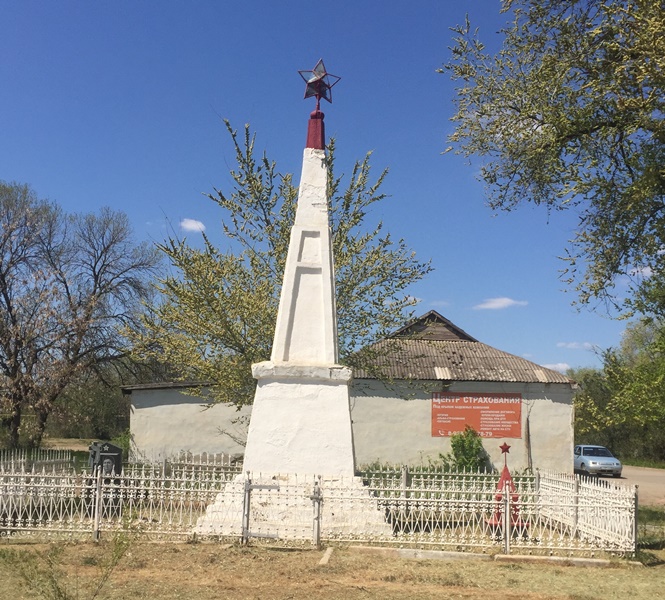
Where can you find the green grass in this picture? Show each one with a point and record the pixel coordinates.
(644, 462)
(651, 536)
(654, 515)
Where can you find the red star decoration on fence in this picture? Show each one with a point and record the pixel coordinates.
(505, 448)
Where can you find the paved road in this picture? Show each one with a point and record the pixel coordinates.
(651, 484)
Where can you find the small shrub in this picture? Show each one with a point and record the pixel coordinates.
(89, 561)
(123, 441)
(467, 452)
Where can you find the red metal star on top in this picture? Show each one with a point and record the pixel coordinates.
(319, 83)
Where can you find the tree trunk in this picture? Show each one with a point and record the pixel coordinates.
(42, 414)
(14, 427)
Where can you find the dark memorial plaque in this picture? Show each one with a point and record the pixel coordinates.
(107, 456)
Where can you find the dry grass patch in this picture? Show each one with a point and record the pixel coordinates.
(210, 571)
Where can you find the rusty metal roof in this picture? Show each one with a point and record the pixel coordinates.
(432, 348)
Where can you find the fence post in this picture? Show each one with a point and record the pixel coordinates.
(98, 506)
(405, 480)
(316, 498)
(506, 520)
(635, 532)
(576, 505)
(245, 510)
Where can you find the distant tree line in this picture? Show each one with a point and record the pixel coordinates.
(622, 405)
(71, 285)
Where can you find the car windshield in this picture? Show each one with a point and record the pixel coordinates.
(597, 452)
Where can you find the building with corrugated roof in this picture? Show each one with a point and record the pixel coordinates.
(418, 386)
(430, 379)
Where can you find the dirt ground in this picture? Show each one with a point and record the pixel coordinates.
(67, 444)
(212, 571)
(651, 482)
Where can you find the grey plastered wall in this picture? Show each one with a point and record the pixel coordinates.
(386, 427)
(166, 421)
(389, 429)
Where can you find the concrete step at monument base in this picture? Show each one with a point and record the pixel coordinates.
(283, 506)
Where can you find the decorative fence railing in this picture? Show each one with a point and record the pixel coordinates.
(37, 458)
(593, 507)
(391, 479)
(87, 503)
(547, 514)
(222, 465)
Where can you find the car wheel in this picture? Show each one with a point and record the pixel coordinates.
(584, 471)
(617, 475)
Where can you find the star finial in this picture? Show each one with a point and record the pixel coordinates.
(319, 83)
(505, 448)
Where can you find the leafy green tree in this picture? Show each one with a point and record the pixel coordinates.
(623, 406)
(638, 407)
(217, 310)
(569, 114)
(68, 283)
(93, 405)
(88, 408)
(592, 401)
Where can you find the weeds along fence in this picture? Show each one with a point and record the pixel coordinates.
(546, 514)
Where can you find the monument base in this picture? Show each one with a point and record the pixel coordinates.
(301, 421)
(289, 507)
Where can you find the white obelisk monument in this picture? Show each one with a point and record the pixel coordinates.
(300, 428)
(301, 420)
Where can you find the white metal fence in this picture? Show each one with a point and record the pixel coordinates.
(548, 513)
(37, 458)
(187, 462)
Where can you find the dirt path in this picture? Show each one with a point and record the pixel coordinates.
(651, 482)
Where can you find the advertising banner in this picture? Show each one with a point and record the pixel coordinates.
(491, 415)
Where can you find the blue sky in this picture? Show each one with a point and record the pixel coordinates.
(121, 104)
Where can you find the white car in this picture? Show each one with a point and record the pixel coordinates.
(596, 460)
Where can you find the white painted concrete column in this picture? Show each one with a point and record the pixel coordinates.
(301, 421)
